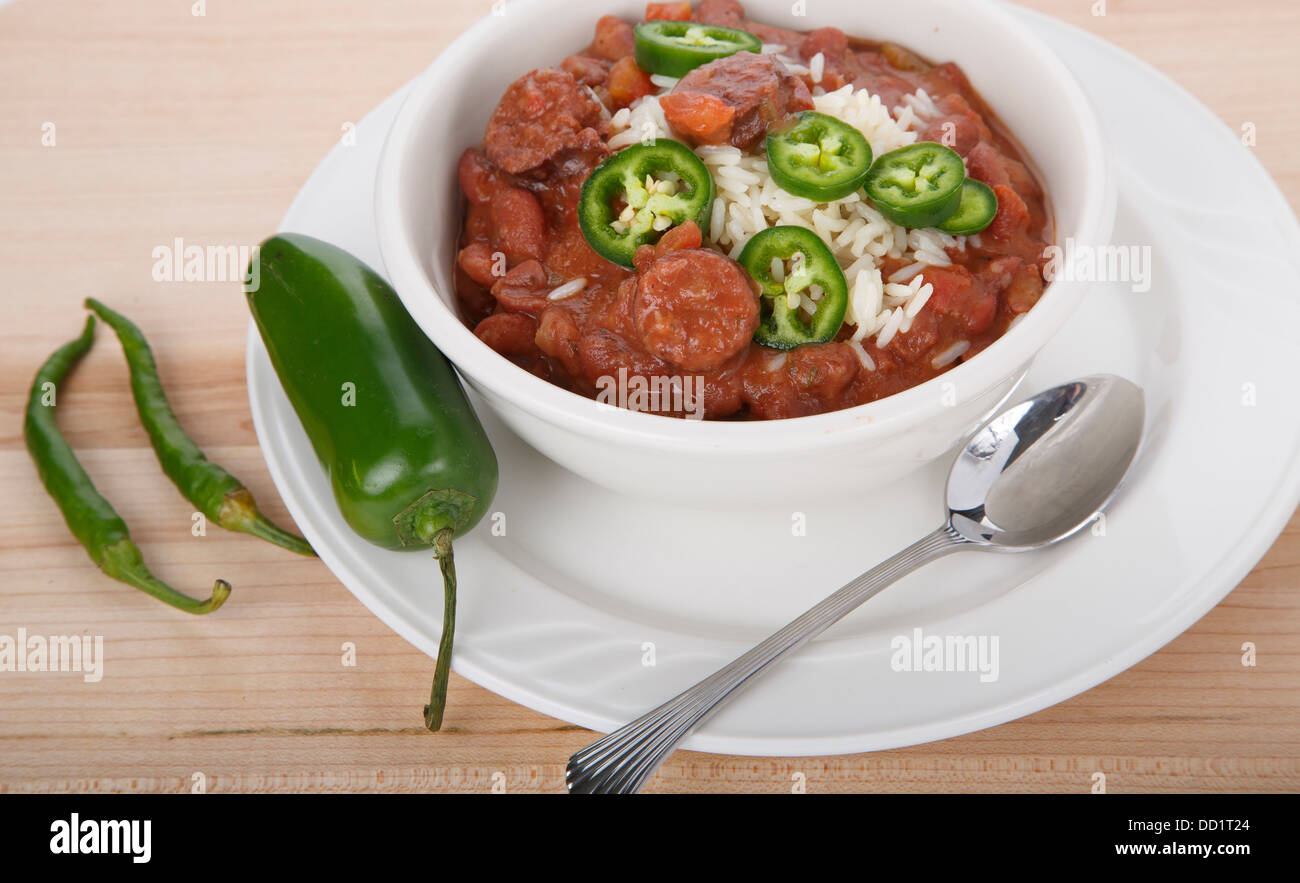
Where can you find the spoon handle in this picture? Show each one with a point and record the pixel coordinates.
(622, 761)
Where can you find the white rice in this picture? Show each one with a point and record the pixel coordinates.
(568, 289)
(921, 105)
(816, 67)
(951, 354)
(861, 238)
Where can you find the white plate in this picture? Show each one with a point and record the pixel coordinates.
(564, 611)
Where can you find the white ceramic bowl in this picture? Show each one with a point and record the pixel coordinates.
(418, 214)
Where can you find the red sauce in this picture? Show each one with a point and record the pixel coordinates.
(521, 237)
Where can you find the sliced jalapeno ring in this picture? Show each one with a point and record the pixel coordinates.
(638, 194)
(675, 48)
(818, 157)
(977, 209)
(917, 186)
(809, 266)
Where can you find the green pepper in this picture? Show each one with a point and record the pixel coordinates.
(917, 186)
(220, 496)
(977, 209)
(91, 518)
(635, 196)
(818, 157)
(408, 460)
(782, 325)
(675, 48)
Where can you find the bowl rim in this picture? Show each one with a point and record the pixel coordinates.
(494, 376)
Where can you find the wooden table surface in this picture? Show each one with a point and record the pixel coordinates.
(168, 124)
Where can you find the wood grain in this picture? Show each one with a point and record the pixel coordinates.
(204, 128)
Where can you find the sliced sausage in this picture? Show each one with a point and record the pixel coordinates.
(609, 362)
(759, 89)
(695, 309)
(543, 115)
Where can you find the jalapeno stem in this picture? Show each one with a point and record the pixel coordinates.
(442, 670)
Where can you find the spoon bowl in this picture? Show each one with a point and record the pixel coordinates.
(1031, 477)
(1041, 471)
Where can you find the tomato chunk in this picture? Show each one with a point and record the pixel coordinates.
(1012, 216)
(668, 12)
(959, 296)
(698, 115)
(627, 82)
(680, 238)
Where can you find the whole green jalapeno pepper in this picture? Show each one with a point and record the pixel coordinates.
(408, 460)
(220, 496)
(90, 517)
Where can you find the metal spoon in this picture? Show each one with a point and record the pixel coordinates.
(1034, 475)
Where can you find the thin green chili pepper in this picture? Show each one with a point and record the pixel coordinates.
(220, 496)
(90, 517)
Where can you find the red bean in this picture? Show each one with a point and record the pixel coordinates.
(479, 261)
(510, 334)
(1024, 291)
(919, 339)
(558, 336)
(586, 70)
(823, 372)
(524, 288)
(518, 225)
(478, 180)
